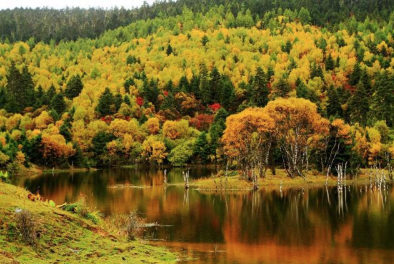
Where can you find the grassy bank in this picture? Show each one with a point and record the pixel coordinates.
(68, 170)
(64, 237)
(236, 182)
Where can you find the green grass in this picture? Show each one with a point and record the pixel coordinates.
(236, 182)
(66, 237)
(68, 170)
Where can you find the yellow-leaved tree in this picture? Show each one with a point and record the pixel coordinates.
(154, 150)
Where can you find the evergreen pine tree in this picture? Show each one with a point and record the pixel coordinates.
(65, 130)
(205, 89)
(74, 87)
(282, 88)
(3, 98)
(366, 80)
(204, 40)
(151, 93)
(118, 100)
(221, 116)
(106, 102)
(195, 86)
(383, 99)
(169, 50)
(168, 102)
(333, 103)
(14, 90)
(49, 95)
(215, 134)
(184, 84)
(316, 71)
(129, 82)
(259, 94)
(330, 64)
(359, 105)
(143, 119)
(27, 84)
(227, 93)
(214, 84)
(201, 148)
(126, 100)
(58, 103)
(40, 97)
(100, 144)
(301, 90)
(356, 75)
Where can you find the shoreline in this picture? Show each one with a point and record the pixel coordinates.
(65, 237)
(237, 183)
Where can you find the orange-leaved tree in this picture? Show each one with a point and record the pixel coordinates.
(55, 149)
(248, 138)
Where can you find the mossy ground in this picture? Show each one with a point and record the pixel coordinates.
(236, 182)
(65, 237)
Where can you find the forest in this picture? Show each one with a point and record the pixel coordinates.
(251, 84)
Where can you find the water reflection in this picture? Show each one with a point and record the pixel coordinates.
(311, 225)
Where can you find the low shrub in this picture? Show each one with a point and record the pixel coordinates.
(26, 226)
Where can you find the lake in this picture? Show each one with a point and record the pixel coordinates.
(314, 225)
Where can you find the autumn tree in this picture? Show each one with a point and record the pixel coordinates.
(295, 122)
(181, 154)
(56, 149)
(248, 138)
(154, 150)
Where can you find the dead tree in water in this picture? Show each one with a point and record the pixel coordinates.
(186, 179)
(341, 170)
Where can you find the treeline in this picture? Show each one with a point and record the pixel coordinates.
(70, 24)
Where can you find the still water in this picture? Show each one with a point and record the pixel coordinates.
(317, 225)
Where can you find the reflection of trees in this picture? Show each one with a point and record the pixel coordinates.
(319, 216)
(266, 216)
(316, 216)
(373, 228)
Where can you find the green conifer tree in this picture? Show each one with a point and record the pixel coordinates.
(74, 87)
(359, 105)
(106, 103)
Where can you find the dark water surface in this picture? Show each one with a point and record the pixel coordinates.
(319, 225)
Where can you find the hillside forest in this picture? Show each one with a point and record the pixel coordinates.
(241, 83)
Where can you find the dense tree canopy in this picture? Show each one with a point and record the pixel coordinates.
(159, 90)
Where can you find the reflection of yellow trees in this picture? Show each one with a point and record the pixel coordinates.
(266, 226)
